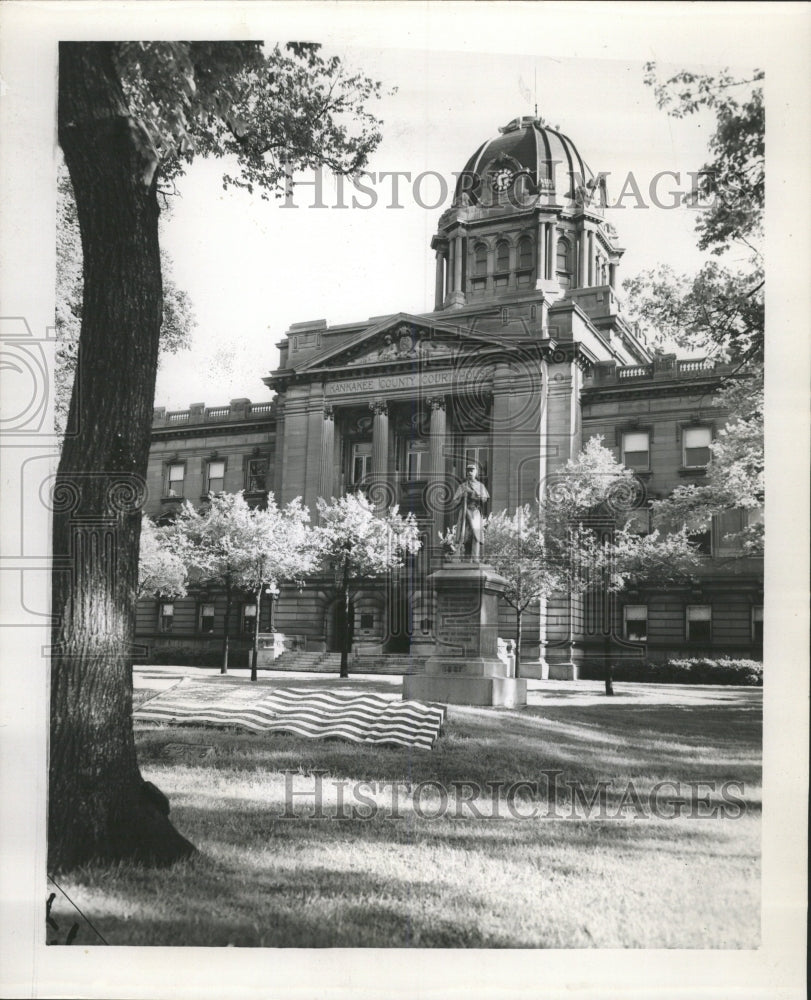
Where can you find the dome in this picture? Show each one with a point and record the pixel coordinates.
(548, 158)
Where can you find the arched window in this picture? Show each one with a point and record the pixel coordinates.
(525, 253)
(480, 260)
(563, 263)
(502, 256)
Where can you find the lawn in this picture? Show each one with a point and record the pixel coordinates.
(512, 868)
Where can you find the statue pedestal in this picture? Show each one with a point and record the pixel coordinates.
(465, 668)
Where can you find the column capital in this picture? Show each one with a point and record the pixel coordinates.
(379, 407)
(436, 402)
(329, 411)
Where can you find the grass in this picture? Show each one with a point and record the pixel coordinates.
(456, 881)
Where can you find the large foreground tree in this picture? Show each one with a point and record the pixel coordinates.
(130, 117)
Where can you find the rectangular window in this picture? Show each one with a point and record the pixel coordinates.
(417, 460)
(215, 479)
(726, 529)
(699, 622)
(478, 454)
(696, 443)
(361, 461)
(757, 625)
(636, 622)
(166, 618)
(174, 480)
(207, 618)
(257, 475)
(367, 620)
(248, 619)
(636, 450)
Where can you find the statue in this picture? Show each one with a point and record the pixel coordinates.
(472, 496)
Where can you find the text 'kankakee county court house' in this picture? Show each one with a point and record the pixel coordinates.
(524, 357)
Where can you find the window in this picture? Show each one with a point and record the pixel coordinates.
(174, 480)
(757, 624)
(367, 620)
(417, 460)
(563, 263)
(248, 619)
(479, 455)
(636, 450)
(636, 622)
(525, 254)
(696, 447)
(166, 617)
(726, 532)
(502, 256)
(215, 478)
(207, 618)
(361, 461)
(256, 475)
(480, 260)
(699, 622)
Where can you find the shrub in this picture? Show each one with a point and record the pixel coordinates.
(682, 670)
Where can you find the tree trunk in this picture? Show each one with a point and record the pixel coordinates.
(519, 630)
(255, 648)
(99, 805)
(227, 629)
(609, 667)
(346, 631)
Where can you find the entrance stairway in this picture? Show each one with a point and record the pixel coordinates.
(330, 663)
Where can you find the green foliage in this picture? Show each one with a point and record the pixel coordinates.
(734, 179)
(682, 670)
(275, 110)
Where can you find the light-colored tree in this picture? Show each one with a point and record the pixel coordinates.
(578, 537)
(161, 568)
(282, 550)
(356, 543)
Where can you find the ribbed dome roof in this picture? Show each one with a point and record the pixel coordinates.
(549, 158)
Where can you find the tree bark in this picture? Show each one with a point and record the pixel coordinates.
(255, 647)
(227, 627)
(519, 631)
(99, 805)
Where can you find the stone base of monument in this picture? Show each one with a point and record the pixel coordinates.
(464, 668)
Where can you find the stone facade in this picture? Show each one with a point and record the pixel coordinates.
(525, 356)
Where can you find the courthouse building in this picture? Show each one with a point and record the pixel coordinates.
(524, 356)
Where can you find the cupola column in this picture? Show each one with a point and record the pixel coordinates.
(439, 293)
(612, 275)
(551, 249)
(540, 269)
(591, 258)
(583, 275)
(457, 265)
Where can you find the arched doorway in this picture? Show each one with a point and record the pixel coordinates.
(335, 626)
(398, 632)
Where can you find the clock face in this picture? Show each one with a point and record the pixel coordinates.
(502, 179)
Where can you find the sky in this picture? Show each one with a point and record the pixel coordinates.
(253, 267)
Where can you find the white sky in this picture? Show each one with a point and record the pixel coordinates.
(253, 267)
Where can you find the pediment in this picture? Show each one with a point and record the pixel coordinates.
(402, 339)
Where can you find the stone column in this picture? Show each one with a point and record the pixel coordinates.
(437, 463)
(583, 269)
(540, 263)
(325, 486)
(457, 265)
(380, 438)
(439, 293)
(451, 269)
(612, 275)
(591, 259)
(551, 249)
